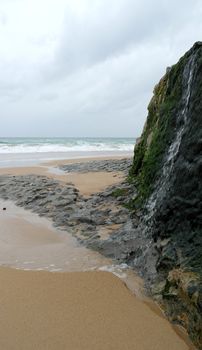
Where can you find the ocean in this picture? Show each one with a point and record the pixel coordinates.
(23, 151)
(58, 145)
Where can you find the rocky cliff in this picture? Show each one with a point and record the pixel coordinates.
(151, 221)
(167, 171)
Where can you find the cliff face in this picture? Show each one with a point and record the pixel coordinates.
(167, 170)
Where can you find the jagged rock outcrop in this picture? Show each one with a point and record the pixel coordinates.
(159, 232)
(167, 170)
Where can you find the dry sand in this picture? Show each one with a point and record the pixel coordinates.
(80, 310)
(88, 310)
(87, 183)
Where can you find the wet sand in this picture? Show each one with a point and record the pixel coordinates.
(87, 310)
(68, 310)
(87, 183)
(9, 160)
(30, 242)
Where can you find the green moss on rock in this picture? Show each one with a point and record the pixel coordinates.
(174, 120)
(119, 192)
(158, 130)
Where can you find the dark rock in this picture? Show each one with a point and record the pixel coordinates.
(160, 231)
(167, 171)
(112, 165)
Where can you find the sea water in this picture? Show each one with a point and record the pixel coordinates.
(23, 151)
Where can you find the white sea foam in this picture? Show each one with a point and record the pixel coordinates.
(117, 270)
(27, 146)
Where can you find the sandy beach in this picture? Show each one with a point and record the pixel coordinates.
(58, 309)
(86, 183)
(87, 310)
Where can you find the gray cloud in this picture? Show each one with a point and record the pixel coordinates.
(48, 97)
(106, 30)
(95, 76)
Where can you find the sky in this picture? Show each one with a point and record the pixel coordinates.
(87, 67)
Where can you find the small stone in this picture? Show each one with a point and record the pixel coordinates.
(158, 288)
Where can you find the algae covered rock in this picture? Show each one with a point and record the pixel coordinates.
(167, 170)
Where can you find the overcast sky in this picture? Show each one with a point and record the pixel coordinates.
(87, 67)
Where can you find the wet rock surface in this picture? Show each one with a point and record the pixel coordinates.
(160, 232)
(167, 167)
(99, 221)
(109, 165)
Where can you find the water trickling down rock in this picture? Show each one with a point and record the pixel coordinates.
(167, 171)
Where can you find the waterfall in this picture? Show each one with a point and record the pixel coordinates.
(174, 148)
(162, 184)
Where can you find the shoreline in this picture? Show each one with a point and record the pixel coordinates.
(122, 336)
(9, 160)
(80, 310)
(31, 243)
